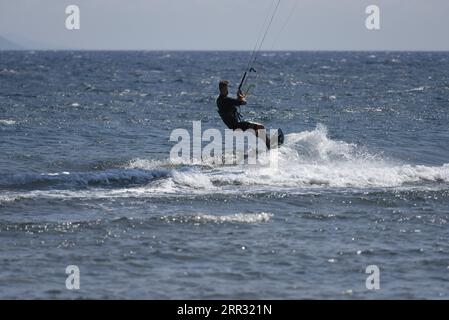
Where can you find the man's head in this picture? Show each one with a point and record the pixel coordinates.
(223, 86)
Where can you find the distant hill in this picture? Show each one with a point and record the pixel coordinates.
(5, 44)
(20, 42)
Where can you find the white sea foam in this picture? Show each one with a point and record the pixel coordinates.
(8, 71)
(232, 218)
(312, 159)
(7, 122)
(308, 161)
(422, 88)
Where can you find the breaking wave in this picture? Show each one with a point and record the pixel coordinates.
(307, 160)
(233, 218)
(112, 177)
(7, 122)
(311, 159)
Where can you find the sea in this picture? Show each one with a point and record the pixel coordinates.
(93, 207)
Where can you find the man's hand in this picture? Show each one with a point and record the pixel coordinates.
(240, 95)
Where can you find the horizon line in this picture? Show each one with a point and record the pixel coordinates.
(229, 50)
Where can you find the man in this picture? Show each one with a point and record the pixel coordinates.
(227, 109)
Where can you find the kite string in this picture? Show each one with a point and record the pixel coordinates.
(263, 76)
(285, 24)
(266, 31)
(258, 40)
(259, 44)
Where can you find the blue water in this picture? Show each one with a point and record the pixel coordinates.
(85, 177)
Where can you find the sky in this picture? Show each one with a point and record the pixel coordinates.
(226, 24)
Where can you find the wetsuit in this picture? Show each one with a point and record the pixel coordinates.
(227, 108)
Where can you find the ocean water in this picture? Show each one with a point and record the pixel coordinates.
(86, 180)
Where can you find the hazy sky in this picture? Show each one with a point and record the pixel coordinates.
(228, 24)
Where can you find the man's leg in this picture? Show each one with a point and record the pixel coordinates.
(245, 125)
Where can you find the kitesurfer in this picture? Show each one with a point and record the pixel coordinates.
(227, 109)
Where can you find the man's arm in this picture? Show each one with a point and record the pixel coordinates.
(236, 102)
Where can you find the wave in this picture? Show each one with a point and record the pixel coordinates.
(233, 218)
(111, 177)
(8, 72)
(72, 226)
(412, 90)
(7, 122)
(308, 160)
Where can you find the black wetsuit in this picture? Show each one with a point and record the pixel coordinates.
(227, 109)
